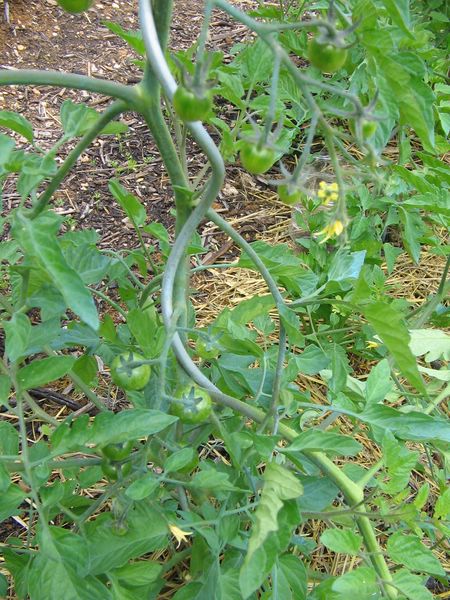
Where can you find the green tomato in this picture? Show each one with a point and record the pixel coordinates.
(191, 106)
(75, 6)
(126, 378)
(289, 195)
(256, 160)
(126, 468)
(110, 470)
(326, 56)
(368, 128)
(193, 406)
(118, 452)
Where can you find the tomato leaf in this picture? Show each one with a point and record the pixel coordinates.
(406, 425)
(38, 238)
(279, 485)
(434, 343)
(133, 38)
(107, 550)
(409, 551)
(379, 383)
(363, 579)
(18, 331)
(342, 540)
(412, 586)
(389, 325)
(143, 487)
(17, 123)
(133, 208)
(40, 372)
(9, 439)
(55, 572)
(324, 441)
(398, 10)
(399, 462)
(10, 500)
(108, 428)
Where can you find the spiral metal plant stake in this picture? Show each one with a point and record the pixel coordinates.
(144, 98)
(354, 494)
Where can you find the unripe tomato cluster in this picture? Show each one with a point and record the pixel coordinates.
(114, 455)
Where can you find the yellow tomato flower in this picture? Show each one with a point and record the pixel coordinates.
(371, 344)
(179, 534)
(334, 228)
(328, 192)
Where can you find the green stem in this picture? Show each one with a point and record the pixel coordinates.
(90, 395)
(307, 149)
(26, 462)
(120, 258)
(430, 306)
(108, 115)
(80, 383)
(244, 245)
(37, 410)
(144, 247)
(68, 80)
(108, 300)
(155, 283)
(200, 54)
(273, 98)
(162, 10)
(163, 140)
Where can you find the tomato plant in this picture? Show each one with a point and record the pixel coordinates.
(321, 358)
(126, 377)
(193, 404)
(190, 105)
(325, 55)
(75, 6)
(255, 159)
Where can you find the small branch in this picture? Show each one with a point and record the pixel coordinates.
(68, 80)
(109, 114)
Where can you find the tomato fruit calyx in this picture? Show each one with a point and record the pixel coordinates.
(190, 104)
(325, 55)
(289, 194)
(75, 6)
(117, 452)
(127, 377)
(206, 347)
(256, 159)
(192, 404)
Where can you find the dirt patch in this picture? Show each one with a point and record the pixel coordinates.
(41, 35)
